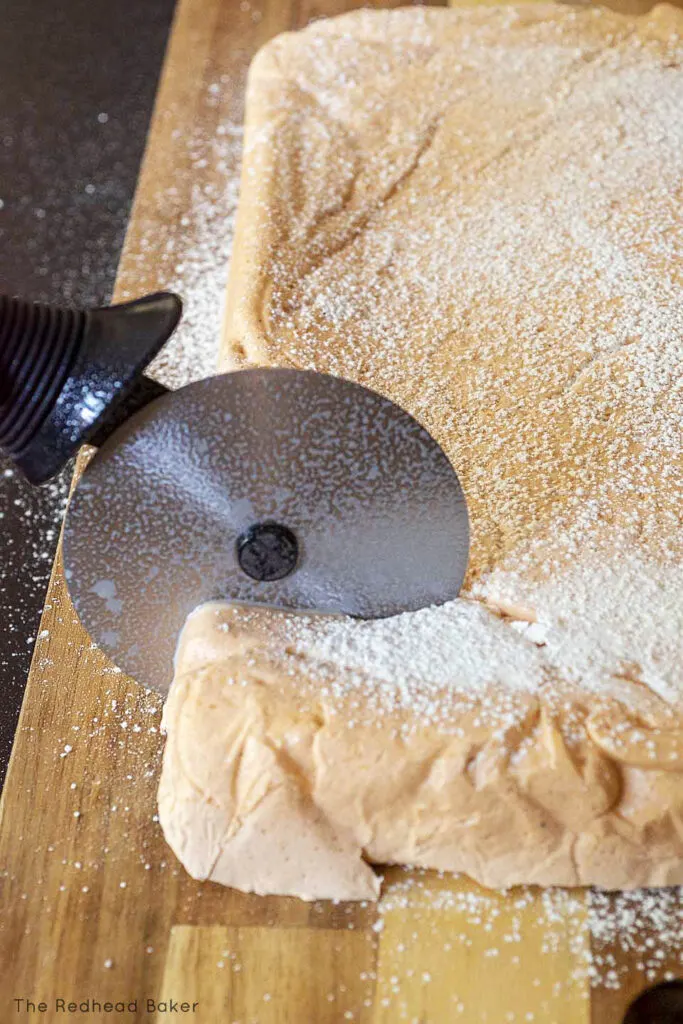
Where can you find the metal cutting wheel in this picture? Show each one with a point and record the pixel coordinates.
(281, 487)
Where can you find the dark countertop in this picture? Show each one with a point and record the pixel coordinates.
(77, 85)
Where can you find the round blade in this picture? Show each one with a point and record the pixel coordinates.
(356, 500)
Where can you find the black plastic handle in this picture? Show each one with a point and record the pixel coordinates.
(70, 377)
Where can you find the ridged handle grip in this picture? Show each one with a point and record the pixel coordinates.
(38, 345)
(68, 376)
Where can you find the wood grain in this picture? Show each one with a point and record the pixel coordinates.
(273, 975)
(93, 903)
(435, 964)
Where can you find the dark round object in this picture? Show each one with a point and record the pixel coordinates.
(661, 1004)
(267, 551)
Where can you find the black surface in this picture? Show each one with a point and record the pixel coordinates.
(77, 84)
(662, 1004)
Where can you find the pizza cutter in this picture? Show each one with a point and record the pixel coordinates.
(282, 487)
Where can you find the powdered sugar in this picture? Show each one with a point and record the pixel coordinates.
(194, 254)
(604, 936)
(199, 275)
(505, 266)
(586, 633)
(460, 644)
(603, 627)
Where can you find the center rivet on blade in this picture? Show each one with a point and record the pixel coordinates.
(267, 551)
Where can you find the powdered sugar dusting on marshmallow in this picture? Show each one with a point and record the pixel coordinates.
(503, 259)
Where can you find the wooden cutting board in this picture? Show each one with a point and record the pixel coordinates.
(94, 906)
